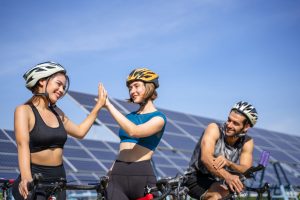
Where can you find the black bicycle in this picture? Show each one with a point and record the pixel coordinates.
(176, 186)
(250, 174)
(171, 186)
(52, 187)
(5, 184)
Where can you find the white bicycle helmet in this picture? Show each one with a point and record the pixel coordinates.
(40, 71)
(247, 110)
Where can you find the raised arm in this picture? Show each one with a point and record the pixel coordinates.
(79, 131)
(152, 126)
(22, 124)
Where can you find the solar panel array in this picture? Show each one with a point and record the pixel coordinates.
(89, 159)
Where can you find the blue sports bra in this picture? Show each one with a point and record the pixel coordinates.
(149, 142)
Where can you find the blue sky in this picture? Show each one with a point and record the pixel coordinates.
(209, 54)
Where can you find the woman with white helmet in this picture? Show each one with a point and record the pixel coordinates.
(41, 128)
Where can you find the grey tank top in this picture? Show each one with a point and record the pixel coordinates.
(231, 153)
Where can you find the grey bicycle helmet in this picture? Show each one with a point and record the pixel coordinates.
(40, 71)
(247, 110)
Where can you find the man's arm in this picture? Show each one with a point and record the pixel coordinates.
(208, 143)
(246, 158)
(210, 137)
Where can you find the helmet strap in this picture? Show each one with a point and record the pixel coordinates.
(142, 104)
(238, 135)
(45, 94)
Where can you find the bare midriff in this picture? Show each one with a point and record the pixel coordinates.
(48, 157)
(131, 152)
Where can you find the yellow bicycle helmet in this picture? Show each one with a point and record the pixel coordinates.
(143, 74)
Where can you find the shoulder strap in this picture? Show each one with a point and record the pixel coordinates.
(34, 110)
(56, 114)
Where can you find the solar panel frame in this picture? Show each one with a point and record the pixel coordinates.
(8, 161)
(86, 165)
(194, 130)
(75, 152)
(104, 155)
(8, 147)
(3, 136)
(11, 134)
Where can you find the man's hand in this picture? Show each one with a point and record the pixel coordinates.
(220, 162)
(234, 183)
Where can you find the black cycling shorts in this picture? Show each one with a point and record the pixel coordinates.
(198, 184)
(49, 173)
(129, 179)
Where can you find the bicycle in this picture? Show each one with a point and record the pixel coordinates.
(264, 159)
(171, 186)
(53, 186)
(175, 186)
(5, 184)
(167, 186)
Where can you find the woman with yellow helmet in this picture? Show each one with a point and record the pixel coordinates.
(140, 133)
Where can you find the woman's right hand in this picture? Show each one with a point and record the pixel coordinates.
(23, 187)
(102, 96)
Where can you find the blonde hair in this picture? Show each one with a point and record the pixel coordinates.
(150, 92)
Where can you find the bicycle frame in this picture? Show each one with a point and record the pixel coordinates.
(264, 159)
(176, 185)
(173, 186)
(5, 185)
(61, 184)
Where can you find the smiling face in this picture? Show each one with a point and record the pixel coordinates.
(236, 123)
(55, 86)
(137, 91)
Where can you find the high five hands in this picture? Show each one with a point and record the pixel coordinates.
(102, 96)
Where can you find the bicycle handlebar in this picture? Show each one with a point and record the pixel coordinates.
(6, 183)
(61, 184)
(249, 173)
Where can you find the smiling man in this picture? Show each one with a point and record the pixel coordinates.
(222, 147)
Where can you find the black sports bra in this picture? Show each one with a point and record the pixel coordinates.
(44, 137)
